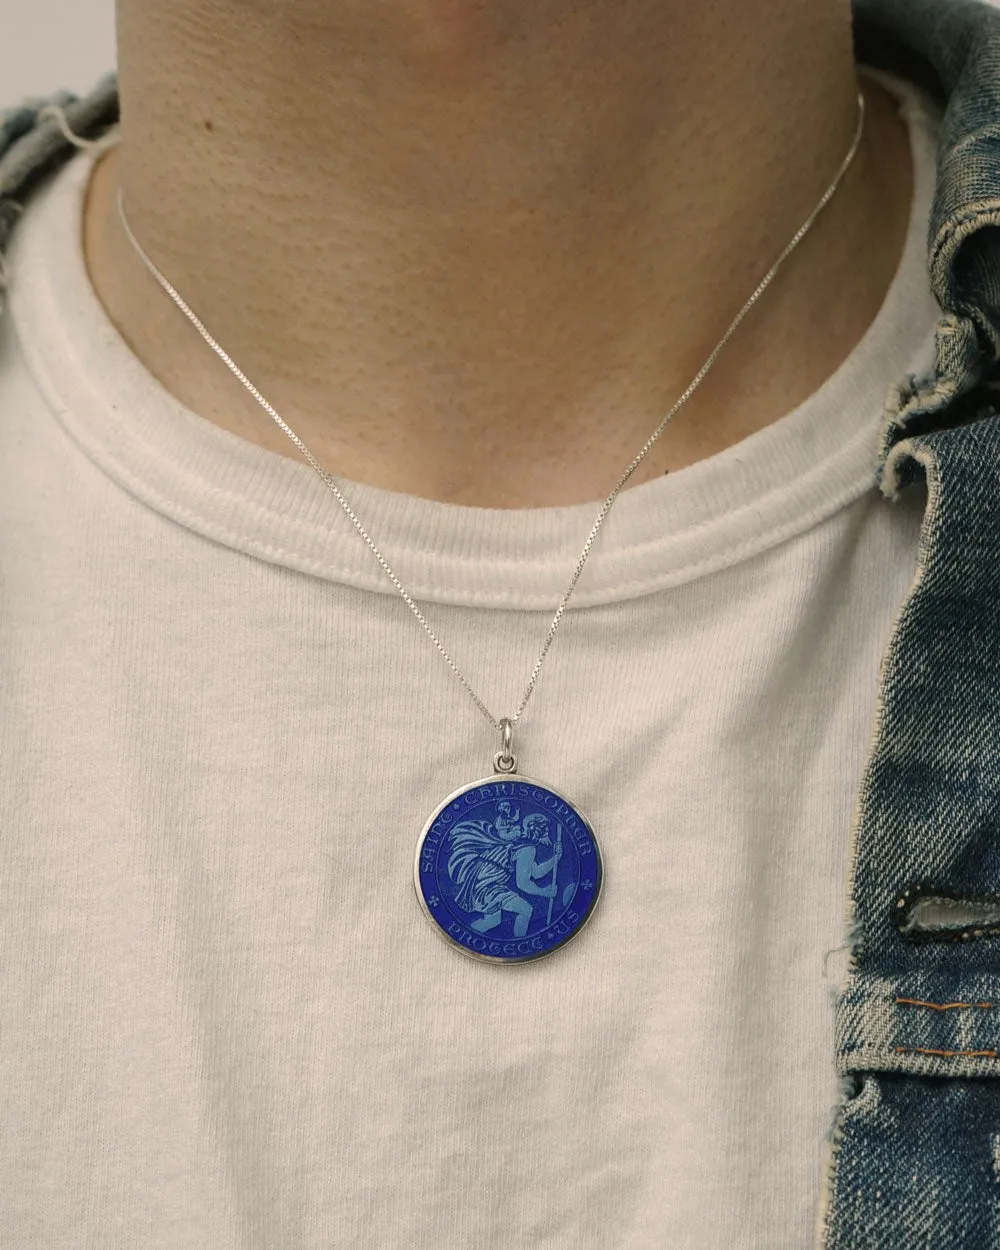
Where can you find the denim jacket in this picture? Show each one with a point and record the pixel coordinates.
(914, 1158)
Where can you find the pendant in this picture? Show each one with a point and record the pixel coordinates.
(507, 869)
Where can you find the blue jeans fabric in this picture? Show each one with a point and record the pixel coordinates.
(914, 1161)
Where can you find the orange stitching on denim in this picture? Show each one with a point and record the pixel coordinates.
(916, 1002)
(947, 1054)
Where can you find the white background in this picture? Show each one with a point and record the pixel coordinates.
(49, 45)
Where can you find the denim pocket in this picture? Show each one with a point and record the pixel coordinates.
(915, 1156)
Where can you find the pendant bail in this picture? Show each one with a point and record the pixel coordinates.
(505, 761)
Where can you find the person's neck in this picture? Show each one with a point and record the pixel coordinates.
(476, 256)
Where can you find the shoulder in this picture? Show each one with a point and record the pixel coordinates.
(34, 141)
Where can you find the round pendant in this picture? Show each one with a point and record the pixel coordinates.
(507, 869)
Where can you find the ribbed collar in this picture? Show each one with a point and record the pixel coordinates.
(779, 482)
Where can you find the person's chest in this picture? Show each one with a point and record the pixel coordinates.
(216, 774)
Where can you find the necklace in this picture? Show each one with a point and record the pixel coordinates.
(507, 869)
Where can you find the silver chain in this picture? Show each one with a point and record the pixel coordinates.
(504, 759)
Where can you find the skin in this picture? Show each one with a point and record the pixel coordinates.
(474, 250)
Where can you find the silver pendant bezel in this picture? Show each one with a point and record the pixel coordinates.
(500, 959)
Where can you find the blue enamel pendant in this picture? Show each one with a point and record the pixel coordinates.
(507, 869)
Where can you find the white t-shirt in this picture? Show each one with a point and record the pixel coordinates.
(225, 1021)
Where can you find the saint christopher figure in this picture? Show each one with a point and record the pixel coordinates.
(488, 860)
